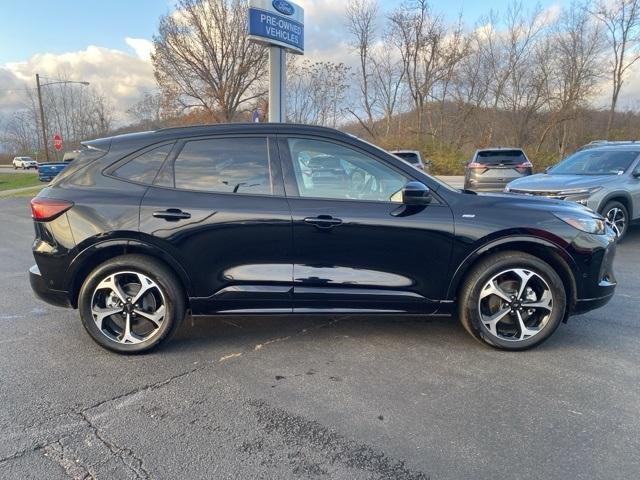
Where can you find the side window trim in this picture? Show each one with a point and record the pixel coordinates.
(275, 168)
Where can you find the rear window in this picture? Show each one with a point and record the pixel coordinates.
(143, 168)
(412, 158)
(500, 157)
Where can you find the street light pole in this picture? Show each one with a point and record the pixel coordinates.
(44, 125)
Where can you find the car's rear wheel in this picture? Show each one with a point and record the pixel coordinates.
(131, 304)
(512, 301)
(617, 217)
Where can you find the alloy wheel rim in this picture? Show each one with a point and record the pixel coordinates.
(515, 304)
(128, 307)
(616, 219)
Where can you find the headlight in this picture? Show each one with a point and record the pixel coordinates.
(579, 195)
(583, 222)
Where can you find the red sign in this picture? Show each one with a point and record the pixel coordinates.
(57, 142)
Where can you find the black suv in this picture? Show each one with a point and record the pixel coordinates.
(273, 218)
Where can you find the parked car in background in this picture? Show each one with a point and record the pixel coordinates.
(491, 169)
(604, 178)
(24, 163)
(412, 157)
(249, 219)
(48, 171)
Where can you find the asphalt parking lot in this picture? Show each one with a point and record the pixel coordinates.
(315, 397)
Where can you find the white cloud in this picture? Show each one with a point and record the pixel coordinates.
(142, 47)
(629, 98)
(120, 76)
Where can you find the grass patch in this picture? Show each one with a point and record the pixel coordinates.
(11, 181)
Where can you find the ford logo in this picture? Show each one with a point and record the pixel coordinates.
(283, 7)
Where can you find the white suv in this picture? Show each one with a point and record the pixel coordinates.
(24, 163)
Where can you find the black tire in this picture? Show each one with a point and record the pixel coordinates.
(482, 273)
(612, 208)
(166, 282)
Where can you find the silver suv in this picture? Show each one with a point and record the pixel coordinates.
(604, 178)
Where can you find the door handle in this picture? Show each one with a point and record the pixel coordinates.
(172, 214)
(323, 221)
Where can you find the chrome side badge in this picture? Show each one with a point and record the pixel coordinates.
(468, 215)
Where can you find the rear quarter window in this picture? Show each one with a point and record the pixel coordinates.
(144, 167)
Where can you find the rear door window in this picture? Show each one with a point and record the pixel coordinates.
(224, 165)
(502, 157)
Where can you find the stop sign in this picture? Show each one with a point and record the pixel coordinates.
(57, 142)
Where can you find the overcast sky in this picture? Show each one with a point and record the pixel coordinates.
(108, 43)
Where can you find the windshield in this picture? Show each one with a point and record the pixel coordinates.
(596, 162)
(500, 157)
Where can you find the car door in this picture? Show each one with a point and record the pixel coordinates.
(218, 207)
(356, 246)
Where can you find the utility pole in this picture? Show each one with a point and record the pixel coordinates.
(44, 125)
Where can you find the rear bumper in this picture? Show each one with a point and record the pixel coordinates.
(486, 186)
(40, 288)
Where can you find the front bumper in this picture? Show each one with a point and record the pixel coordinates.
(600, 281)
(42, 290)
(588, 304)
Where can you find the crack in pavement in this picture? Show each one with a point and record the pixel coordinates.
(69, 458)
(126, 455)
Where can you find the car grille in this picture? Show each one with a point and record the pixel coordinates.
(538, 193)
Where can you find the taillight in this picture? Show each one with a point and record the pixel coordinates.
(522, 167)
(476, 166)
(45, 209)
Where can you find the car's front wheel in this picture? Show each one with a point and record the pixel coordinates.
(512, 301)
(617, 217)
(131, 303)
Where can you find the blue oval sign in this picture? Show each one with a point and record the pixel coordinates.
(283, 7)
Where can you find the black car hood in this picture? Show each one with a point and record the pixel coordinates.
(548, 182)
(524, 202)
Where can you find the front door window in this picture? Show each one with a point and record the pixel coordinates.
(328, 170)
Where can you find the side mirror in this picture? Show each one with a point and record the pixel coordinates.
(416, 193)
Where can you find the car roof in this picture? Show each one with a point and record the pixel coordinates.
(226, 129)
(634, 147)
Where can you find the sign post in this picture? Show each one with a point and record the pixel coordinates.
(280, 25)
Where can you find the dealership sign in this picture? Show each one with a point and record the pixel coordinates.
(277, 22)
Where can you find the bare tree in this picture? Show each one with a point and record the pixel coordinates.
(418, 36)
(316, 92)
(574, 69)
(388, 76)
(621, 19)
(361, 23)
(202, 53)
